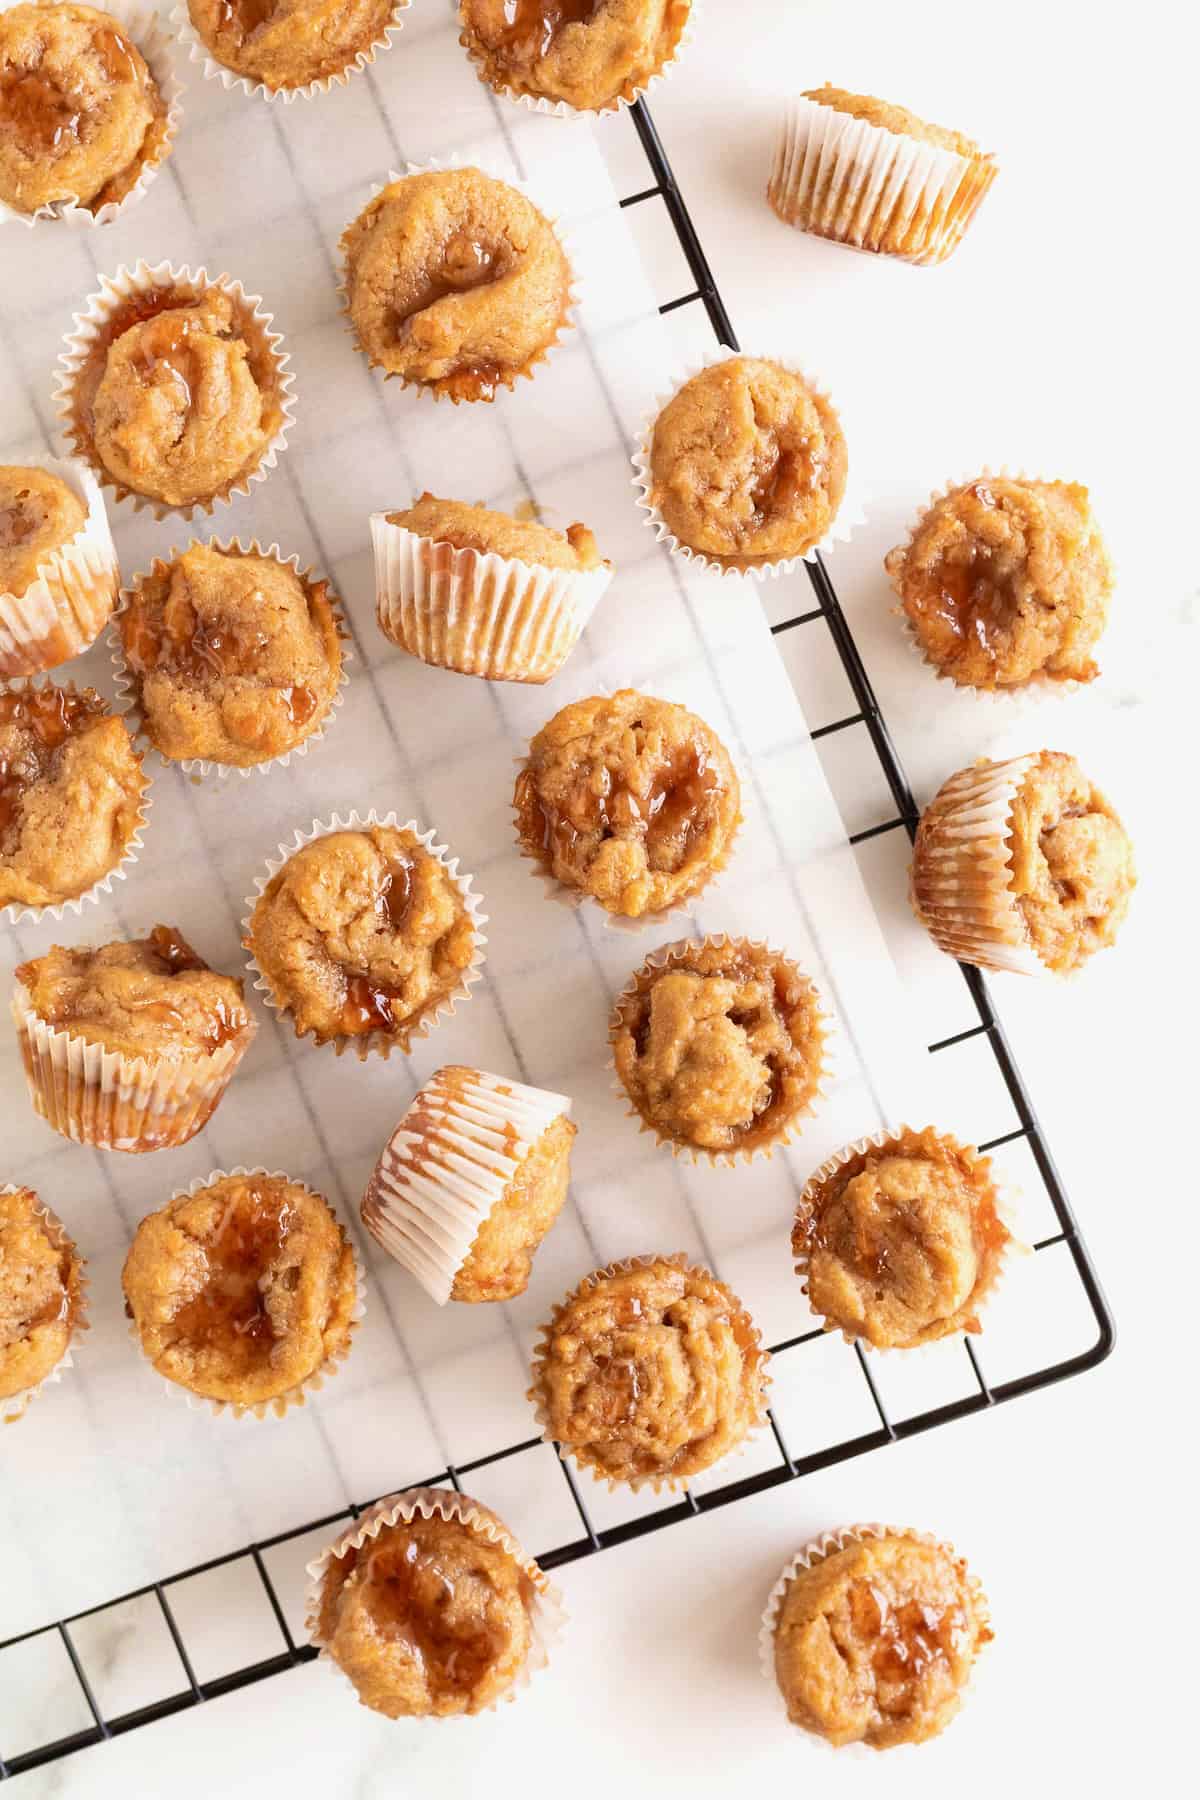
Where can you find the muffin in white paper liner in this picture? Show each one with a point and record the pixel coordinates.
(279, 1406)
(212, 70)
(873, 189)
(14, 1406)
(126, 682)
(562, 109)
(70, 600)
(446, 1166)
(848, 518)
(547, 1617)
(376, 1042)
(85, 345)
(145, 29)
(478, 612)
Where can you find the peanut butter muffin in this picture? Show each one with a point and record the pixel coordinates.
(1006, 582)
(455, 282)
(362, 936)
(630, 800)
(466, 527)
(1022, 865)
(747, 464)
(234, 656)
(651, 1371)
(899, 1239)
(590, 54)
(71, 794)
(873, 1636)
(242, 1290)
(286, 44)
(39, 513)
(41, 1294)
(81, 116)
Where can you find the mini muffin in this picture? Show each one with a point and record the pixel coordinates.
(629, 800)
(863, 172)
(1005, 583)
(41, 1297)
(588, 54)
(364, 936)
(59, 574)
(899, 1239)
(287, 44)
(81, 116)
(719, 1046)
(746, 464)
(470, 1182)
(1022, 865)
(455, 282)
(872, 1634)
(71, 794)
(242, 1290)
(430, 1607)
(651, 1371)
(39, 513)
(234, 657)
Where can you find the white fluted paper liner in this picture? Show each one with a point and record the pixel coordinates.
(560, 109)
(117, 292)
(212, 70)
(569, 321)
(280, 1404)
(127, 686)
(14, 1406)
(145, 29)
(873, 189)
(676, 954)
(547, 1616)
(67, 605)
(656, 1483)
(477, 612)
(434, 1185)
(18, 910)
(380, 1043)
(848, 518)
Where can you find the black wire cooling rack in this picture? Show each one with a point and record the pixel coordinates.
(826, 611)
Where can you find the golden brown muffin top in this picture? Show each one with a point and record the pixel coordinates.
(151, 997)
(874, 1643)
(41, 1292)
(362, 932)
(235, 657)
(902, 1243)
(288, 43)
(469, 527)
(242, 1290)
(1071, 863)
(1005, 582)
(894, 118)
(455, 281)
(429, 1618)
(653, 1372)
(629, 799)
(589, 53)
(720, 1046)
(71, 787)
(80, 114)
(39, 513)
(747, 463)
(497, 1265)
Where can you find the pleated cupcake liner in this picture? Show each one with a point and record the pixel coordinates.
(561, 109)
(676, 955)
(15, 1406)
(121, 293)
(477, 612)
(212, 70)
(375, 1042)
(656, 1483)
(68, 603)
(448, 1164)
(872, 189)
(547, 1616)
(850, 515)
(144, 28)
(298, 1395)
(17, 910)
(128, 685)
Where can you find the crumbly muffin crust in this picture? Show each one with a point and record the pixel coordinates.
(497, 1265)
(39, 513)
(589, 53)
(455, 282)
(41, 1292)
(288, 43)
(894, 118)
(1071, 862)
(631, 800)
(469, 527)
